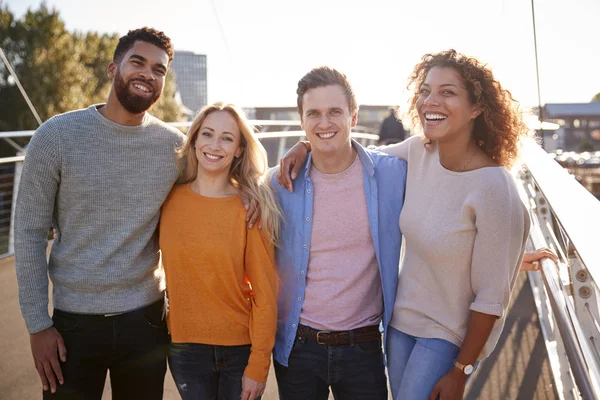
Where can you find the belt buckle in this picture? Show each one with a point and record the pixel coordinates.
(319, 333)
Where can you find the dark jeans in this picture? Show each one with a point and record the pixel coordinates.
(354, 372)
(208, 372)
(132, 346)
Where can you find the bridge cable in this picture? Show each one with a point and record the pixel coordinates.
(12, 72)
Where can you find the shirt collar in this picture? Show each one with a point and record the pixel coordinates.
(365, 159)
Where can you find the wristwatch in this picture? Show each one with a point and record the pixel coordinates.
(466, 369)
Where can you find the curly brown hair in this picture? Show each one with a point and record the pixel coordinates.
(499, 128)
(145, 34)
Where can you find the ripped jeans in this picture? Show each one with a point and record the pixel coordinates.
(208, 372)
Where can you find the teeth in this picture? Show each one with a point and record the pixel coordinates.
(435, 116)
(142, 88)
(326, 135)
(211, 157)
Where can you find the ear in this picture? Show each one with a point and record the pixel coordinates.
(112, 70)
(354, 119)
(239, 152)
(476, 112)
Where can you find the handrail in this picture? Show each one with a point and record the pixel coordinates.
(582, 372)
(553, 182)
(8, 160)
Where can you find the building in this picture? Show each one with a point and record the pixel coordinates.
(190, 76)
(579, 126)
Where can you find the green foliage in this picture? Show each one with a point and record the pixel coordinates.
(596, 97)
(59, 70)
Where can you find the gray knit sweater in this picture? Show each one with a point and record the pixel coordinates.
(101, 186)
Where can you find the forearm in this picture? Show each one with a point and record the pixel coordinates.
(478, 331)
(32, 277)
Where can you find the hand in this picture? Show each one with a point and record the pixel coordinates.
(450, 387)
(291, 162)
(252, 212)
(46, 346)
(252, 389)
(531, 261)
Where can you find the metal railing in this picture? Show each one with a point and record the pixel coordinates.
(564, 218)
(276, 144)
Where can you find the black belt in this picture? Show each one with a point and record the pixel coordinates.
(340, 338)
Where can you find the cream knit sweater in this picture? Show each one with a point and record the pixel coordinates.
(465, 236)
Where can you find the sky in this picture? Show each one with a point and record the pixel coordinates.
(257, 50)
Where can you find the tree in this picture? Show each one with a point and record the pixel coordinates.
(596, 97)
(60, 71)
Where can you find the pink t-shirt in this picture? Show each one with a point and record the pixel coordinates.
(343, 285)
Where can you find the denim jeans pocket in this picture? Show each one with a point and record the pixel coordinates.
(64, 323)
(370, 347)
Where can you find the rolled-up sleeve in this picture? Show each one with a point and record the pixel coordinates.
(502, 225)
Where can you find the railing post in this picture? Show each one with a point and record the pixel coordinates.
(17, 179)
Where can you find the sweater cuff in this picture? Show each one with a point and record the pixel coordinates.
(488, 308)
(37, 323)
(258, 366)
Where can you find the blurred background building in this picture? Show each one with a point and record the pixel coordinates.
(191, 79)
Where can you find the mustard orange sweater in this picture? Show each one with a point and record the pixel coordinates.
(209, 256)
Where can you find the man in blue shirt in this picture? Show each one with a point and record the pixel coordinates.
(339, 252)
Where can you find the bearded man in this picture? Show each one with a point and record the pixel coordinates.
(99, 176)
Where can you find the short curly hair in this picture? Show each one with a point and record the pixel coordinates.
(499, 128)
(145, 34)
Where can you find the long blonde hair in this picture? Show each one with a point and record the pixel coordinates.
(248, 173)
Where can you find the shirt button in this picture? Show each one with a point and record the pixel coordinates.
(308, 191)
(299, 298)
(302, 272)
(293, 325)
(305, 246)
(307, 219)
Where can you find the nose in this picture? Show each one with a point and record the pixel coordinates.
(431, 99)
(323, 120)
(147, 74)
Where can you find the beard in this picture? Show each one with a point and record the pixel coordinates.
(131, 102)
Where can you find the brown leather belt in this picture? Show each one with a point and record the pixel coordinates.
(340, 338)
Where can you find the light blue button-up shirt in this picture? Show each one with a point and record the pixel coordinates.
(384, 180)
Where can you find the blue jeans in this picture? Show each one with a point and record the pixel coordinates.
(416, 364)
(132, 346)
(354, 372)
(208, 372)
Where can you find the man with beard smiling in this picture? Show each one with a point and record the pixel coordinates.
(99, 176)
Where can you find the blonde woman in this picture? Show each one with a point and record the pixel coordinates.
(220, 275)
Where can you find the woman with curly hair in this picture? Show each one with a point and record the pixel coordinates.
(463, 223)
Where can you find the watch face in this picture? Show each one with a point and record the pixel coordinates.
(468, 369)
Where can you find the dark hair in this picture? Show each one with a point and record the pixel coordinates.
(145, 34)
(325, 76)
(499, 127)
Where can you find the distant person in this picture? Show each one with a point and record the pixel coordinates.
(221, 278)
(392, 130)
(339, 252)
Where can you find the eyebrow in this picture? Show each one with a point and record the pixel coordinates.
(212, 130)
(442, 85)
(141, 58)
(329, 109)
